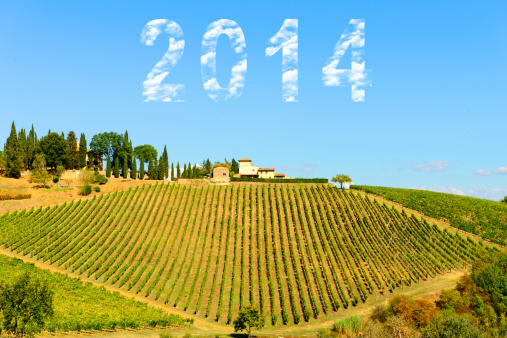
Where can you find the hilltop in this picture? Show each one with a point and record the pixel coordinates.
(296, 251)
(485, 218)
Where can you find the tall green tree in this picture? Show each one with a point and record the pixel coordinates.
(189, 169)
(30, 147)
(178, 170)
(111, 144)
(25, 305)
(117, 167)
(13, 168)
(39, 173)
(150, 169)
(125, 166)
(141, 168)
(184, 173)
(82, 151)
(161, 168)
(234, 166)
(54, 147)
(72, 154)
(133, 172)
(108, 167)
(166, 163)
(23, 156)
(172, 170)
(146, 151)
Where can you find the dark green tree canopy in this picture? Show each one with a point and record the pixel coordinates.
(147, 152)
(13, 167)
(54, 147)
(109, 144)
(72, 154)
(25, 305)
(248, 319)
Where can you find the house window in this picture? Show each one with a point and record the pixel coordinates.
(224, 174)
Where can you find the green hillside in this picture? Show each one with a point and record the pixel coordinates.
(485, 218)
(296, 251)
(79, 306)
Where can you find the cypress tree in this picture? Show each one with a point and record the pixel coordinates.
(30, 147)
(12, 153)
(133, 172)
(108, 167)
(189, 169)
(184, 173)
(155, 169)
(166, 162)
(150, 169)
(178, 170)
(116, 167)
(172, 171)
(141, 168)
(125, 166)
(72, 154)
(23, 157)
(161, 168)
(82, 151)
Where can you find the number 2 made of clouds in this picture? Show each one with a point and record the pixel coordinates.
(285, 39)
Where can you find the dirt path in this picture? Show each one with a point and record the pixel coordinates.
(200, 325)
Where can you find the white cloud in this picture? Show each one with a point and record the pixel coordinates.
(357, 74)
(447, 190)
(154, 90)
(495, 194)
(287, 40)
(430, 166)
(497, 171)
(208, 60)
(482, 172)
(501, 171)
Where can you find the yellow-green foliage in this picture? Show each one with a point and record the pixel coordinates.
(79, 306)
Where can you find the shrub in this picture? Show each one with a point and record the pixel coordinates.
(166, 334)
(279, 180)
(99, 178)
(85, 190)
(348, 325)
(97, 189)
(56, 179)
(6, 197)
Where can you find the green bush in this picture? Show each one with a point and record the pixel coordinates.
(348, 325)
(85, 190)
(99, 178)
(165, 334)
(279, 180)
(56, 179)
(97, 189)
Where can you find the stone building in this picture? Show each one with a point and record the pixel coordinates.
(247, 169)
(220, 174)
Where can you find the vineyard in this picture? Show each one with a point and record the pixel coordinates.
(80, 307)
(485, 218)
(295, 251)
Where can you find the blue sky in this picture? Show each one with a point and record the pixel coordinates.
(434, 116)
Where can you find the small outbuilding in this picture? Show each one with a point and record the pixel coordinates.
(221, 174)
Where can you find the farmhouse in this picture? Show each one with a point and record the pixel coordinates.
(221, 174)
(247, 169)
(93, 160)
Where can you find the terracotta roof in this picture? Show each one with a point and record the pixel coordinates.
(245, 160)
(281, 175)
(267, 169)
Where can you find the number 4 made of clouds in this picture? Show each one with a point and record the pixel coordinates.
(352, 37)
(154, 90)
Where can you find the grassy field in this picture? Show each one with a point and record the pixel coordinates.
(79, 306)
(298, 252)
(485, 218)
